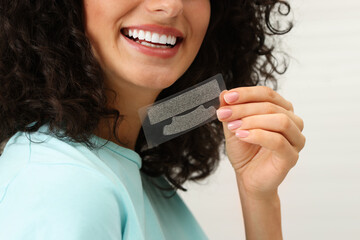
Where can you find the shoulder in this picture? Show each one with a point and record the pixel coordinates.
(60, 202)
(46, 162)
(43, 149)
(57, 190)
(42, 146)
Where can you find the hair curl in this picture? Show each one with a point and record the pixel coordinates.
(48, 74)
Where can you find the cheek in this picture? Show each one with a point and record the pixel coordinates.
(200, 17)
(93, 13)
(101, 17)
(99, 25)
(94, 20)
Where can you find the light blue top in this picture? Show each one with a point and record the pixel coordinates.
(55, 189)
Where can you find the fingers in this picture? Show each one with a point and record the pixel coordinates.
(259, 115)
(255, 94)
(230, 113)
(273, 141)
(278, 122)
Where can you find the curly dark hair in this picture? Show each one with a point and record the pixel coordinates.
(48, 75)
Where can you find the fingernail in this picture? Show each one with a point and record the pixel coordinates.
(231, 97)
(234, 124)
(242, 133)
(223, 113)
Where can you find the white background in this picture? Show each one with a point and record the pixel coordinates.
(321, 195)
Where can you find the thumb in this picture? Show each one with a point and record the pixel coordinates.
(221, 98)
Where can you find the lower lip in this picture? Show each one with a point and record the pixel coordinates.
(154, 52)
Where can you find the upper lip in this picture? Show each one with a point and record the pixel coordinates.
(158, 29)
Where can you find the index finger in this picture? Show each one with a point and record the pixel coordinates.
(254, 94)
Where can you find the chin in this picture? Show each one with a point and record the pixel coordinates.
(157, 82)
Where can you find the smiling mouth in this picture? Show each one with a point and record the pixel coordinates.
(151, 39)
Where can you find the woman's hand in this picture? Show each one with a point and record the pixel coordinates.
(263, 137)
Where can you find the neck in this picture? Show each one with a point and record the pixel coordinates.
(128, 100)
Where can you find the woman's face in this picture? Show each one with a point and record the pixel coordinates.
(146, 43)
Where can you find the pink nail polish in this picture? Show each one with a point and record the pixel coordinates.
(234, 124)
(224, 113)
(231, 97)
(242, 133)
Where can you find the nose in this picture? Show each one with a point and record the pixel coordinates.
(169, 8)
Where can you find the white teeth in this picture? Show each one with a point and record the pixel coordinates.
(151, 37)
(141, 35)
(163, 39)
(135, 34)
(152, 45)
(155, 38)
(169, 40)
(145, 43)
(148, 36)
(173, 40)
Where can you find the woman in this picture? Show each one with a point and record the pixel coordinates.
(73, 76)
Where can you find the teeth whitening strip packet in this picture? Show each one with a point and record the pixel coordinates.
(181, 112)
